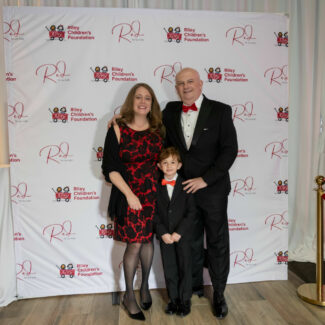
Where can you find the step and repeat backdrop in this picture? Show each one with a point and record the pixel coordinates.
(69, 69)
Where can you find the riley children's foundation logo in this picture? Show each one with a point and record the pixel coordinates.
(282, 114)
(243, 112)
(18, 236)
(62, 195)
(173, 34)
(241, 35)
(282, 39)
(99, 153)
(243, 187)
(242, 258)
(189, 34)
(227, 75)
(281, 186)
(72, 33)
(167, 72)
(277, 221)
(66, 271)
(61, 115)
(10, 77)
(12, 30)
(277, 149)
(116, 74)
(234, 225)
(56, 153)
(19, 193)
(58, 232)
(214, 74)
(128, 32)
(56, 32)
(50, 72)
(277, 75)
(14, 158)
(105, 231)
(16, 113)
(24, 270)
(281, 257)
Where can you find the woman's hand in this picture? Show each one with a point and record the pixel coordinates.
(134, 202)
(112, 121)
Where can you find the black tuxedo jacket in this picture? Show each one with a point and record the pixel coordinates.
(175, 214)
(213, 148)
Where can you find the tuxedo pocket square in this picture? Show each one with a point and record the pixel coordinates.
(205, 129)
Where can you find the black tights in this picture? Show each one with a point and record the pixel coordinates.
(133, 253)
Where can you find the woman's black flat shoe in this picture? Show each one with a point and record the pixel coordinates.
(137, 316)
(145, 305)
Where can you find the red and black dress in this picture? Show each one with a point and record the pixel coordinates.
(136, 159)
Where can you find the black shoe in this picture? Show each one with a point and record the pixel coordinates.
(137, 316)
(220, 305)
(145, 305)
(184, 308)
(171, 308)
(198, 290)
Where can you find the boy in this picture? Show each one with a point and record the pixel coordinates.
(173, 221)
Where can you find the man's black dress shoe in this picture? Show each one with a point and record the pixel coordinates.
(171, 308)
(184, 308)
(220, 306)
(198, 290)
(137, 316)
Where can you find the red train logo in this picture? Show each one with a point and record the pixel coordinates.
(99, 153)
(100, 73)
(67, 271)
(173, 34)
(59, 114)
(56, 32)
(282, 39)
(282, 114)
(214, 74)
(282, 186)
(107, 231)
(62, 194)
(282, 257)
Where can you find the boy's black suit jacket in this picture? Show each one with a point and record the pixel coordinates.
(175, 214)
(213, 148)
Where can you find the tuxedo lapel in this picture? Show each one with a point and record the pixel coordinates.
(203, 116)
(178, 125)
(164, 193)
(177, 189)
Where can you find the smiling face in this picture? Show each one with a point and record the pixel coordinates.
(188, 85)
(142, 101)
(170, 166)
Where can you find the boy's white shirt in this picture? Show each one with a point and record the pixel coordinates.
(170, 188)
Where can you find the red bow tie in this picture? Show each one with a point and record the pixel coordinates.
(187, 108)
(165, 182)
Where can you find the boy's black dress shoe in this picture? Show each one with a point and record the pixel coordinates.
(198, 290)
(137, 316)
(184, 308)
(220, 305)
(171, 308)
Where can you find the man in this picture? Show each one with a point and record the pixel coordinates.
(204, 133)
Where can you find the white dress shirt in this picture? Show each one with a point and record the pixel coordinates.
(188, 122)
(169, 187)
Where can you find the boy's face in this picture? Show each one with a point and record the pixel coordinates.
(170, 166)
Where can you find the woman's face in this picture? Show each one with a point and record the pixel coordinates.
(142, 101)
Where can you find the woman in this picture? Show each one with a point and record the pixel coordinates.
(130, 159)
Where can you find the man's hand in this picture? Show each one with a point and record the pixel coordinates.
(176, 237)
(194, 184)
(112, 121)
(167, 239)
(134, 202)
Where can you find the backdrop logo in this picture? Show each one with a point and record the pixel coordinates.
(282, 114)
(11, 30)
(236, 226)
(10, 76)
(66, 270)
(241, 35)
(243, 187)
(276, 221)
(53, 72)
(18, 236)
(277, 75)
(19, 193)
(59, 114)
(24, 270)
(281, 187)
(173, 34)
(242, 258)
(99, 153)
(277, 149)
(282, 39)
(56, 153)
(167, 72)
(243, 112)
(16, 113)
(242, 153)
(214, 74)
(117, 74)
(282, 257)
(14, 158)
(100, 74)
(128, 32)
(58, 232)
(105, 231)
(227, 75)
(56, 32)
(62, 194)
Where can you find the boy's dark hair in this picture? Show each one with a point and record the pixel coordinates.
(167, 152)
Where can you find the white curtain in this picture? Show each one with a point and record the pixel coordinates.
(306, 104)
